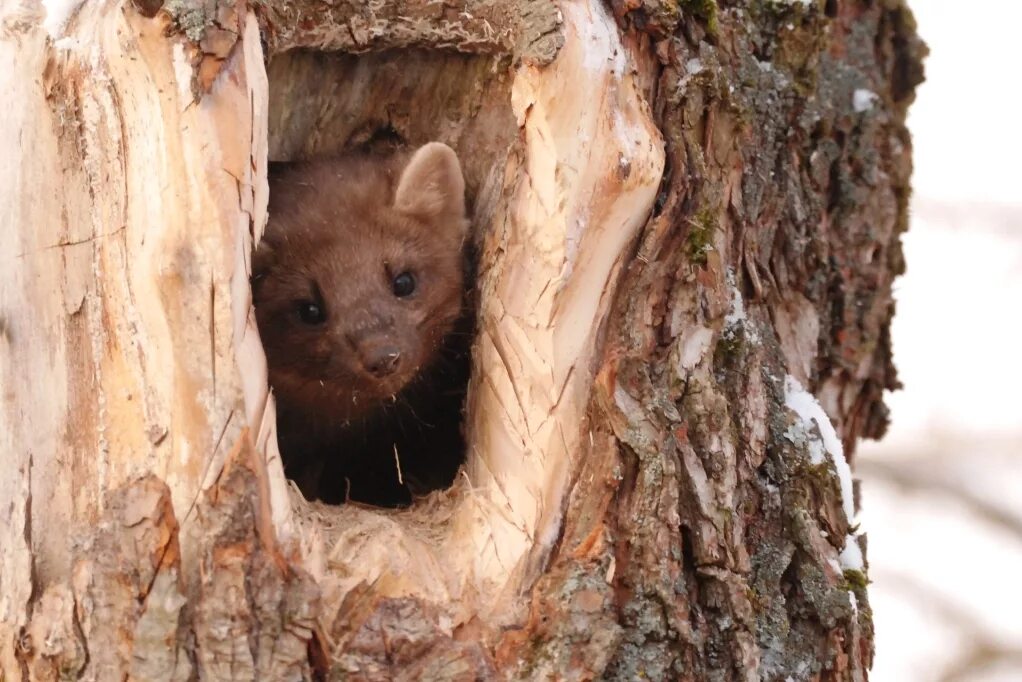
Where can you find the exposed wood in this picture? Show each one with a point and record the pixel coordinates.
(773, 254)
(683, 215)
(525, 29)
(571, 201)
(129, 209)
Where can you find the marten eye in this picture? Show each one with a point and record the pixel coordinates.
(311, 312)
(403, 284)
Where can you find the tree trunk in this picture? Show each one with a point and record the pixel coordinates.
(687, 218)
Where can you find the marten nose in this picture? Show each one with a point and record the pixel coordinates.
(381, 361)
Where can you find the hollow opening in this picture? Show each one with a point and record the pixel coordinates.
(380, 106)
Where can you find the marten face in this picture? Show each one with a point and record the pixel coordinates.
(359, 276)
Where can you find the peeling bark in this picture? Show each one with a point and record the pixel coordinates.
(773, 254)
(527, 29)
(684, 215)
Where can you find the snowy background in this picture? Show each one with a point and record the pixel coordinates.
(942, 493)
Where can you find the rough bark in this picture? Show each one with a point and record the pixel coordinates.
(771, 254)
(683, 213)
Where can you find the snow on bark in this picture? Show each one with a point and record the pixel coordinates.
(632, 505)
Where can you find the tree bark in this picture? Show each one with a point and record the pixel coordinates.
(687, 218)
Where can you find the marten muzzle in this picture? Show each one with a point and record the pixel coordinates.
(380, 359)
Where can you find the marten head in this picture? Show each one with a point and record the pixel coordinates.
(359, 275)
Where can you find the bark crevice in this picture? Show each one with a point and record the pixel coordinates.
(645, 494)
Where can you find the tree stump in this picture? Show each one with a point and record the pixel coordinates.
(687, 219)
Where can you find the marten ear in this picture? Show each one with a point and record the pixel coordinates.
(264, 258)
(432, 187)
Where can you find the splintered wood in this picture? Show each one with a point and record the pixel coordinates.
(143, 320)
(584, 184)
(127, 346)
(639, 499)
(576, 192)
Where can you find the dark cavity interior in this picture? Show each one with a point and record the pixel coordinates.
(323, 104)
(421, 429)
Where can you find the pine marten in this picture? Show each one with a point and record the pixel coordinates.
(358, 284)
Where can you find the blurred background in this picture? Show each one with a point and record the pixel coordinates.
(942, 493)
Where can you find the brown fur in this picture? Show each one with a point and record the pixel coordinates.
(339, 232)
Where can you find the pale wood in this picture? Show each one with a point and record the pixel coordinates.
(161, 194)
(577, 192)
(633, 504)
(129, 207)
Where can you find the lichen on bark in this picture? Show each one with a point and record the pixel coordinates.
(698, 540)
(527, 30)
(772, 254)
